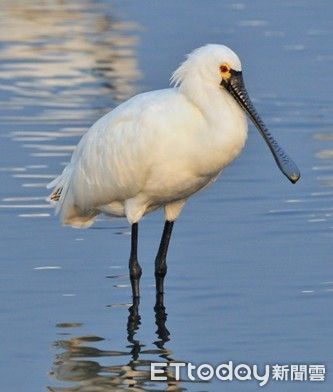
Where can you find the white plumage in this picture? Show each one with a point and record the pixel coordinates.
(156, 149)
(160, 147)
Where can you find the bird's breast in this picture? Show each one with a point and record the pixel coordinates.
(220, 145)
(193, 162)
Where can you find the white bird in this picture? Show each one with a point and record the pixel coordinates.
(160, 147)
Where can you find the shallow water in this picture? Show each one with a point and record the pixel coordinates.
(250, 274)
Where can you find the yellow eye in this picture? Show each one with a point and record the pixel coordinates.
(225, 71)
(224, 68)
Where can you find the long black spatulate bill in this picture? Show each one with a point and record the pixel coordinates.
(235, 86)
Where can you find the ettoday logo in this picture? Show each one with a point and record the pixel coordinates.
(241, 372)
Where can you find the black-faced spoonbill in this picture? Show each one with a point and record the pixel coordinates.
(160, 147)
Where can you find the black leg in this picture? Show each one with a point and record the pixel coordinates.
(160, 261)
(134, 266)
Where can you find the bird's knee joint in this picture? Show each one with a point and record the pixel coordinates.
(135, 271)
(135, 275)
(161, 271)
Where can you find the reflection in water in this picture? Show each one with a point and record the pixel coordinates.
(74, 364)
(54, 46)
(62, 66)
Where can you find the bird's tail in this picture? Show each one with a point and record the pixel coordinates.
(63, 200)
(60, 187)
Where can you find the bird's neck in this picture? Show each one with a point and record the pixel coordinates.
(214, 102)
(225, 128)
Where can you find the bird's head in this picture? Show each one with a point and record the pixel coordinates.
(220, 67)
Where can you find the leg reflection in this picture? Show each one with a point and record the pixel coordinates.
(79, 361)
(133, 324)
(162, 331)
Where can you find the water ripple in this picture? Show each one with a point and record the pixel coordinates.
(62, 66)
